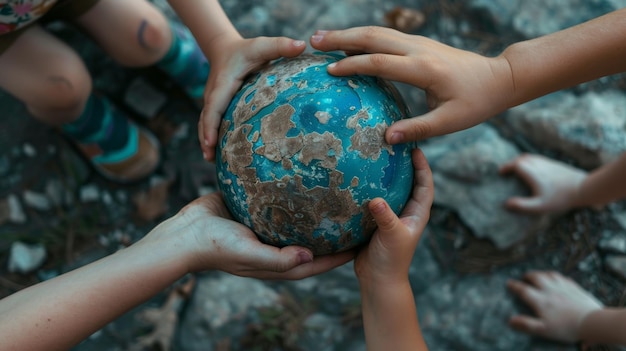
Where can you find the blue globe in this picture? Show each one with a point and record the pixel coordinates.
(301, 153)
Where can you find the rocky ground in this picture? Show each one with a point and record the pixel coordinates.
(60, 215)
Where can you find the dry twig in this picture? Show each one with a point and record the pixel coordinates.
(164, 320)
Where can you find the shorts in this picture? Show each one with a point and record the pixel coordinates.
(65, 10)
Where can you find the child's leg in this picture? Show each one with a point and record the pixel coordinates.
(136, 33)
(51, 79)
(47, 75)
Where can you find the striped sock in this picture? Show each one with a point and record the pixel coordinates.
(105, 128)
(185, 62)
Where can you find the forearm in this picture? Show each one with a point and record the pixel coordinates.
(569, 57)
(390, 318)
(606, 326)
(604, 185)
(59, 313)
(207, 21)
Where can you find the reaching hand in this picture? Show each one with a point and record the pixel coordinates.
(236, 59)
(555, 186)
(217, 242)
(386, 259)
(462, 88)
(560, 304)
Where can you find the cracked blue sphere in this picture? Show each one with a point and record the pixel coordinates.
(301, 153)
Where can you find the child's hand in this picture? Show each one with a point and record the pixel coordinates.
(555, 185)
(386, 259)
(210, 240)
(560, 304)
(230, 65)
(462, 88)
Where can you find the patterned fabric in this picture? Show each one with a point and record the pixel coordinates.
(15, 14)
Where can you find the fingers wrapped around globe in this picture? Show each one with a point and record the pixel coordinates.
(301, 153)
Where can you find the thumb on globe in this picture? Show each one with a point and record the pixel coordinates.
(385, 218)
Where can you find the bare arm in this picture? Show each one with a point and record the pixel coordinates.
(390, 317)
(388, 305)
(604, 185)
(605, 326)
(575, 55)
(59, 313)
(208, 23)
(463, 88)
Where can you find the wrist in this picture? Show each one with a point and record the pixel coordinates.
(216, 45)
(579, 199)
(169, 241)
(585, 196)
(504, 88)
(598, 325)
(372, 284)
(528, 76)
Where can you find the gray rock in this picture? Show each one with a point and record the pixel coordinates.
(620, 217)
(469, 313)
(144, 98)
(29, 150)
(324, 330)
(16, 212)
(616, 264)
(219, 301)
(589, 129)
(36, 200)
(535, 18)
(26, 258)
(337, 287)
(55, 191)
(89, 193)
(465, 170)
(614, 244)
(424, 268)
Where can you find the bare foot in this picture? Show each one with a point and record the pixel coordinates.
(560, 305)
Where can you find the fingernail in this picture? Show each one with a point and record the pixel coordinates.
(206, 142)
(378, 208)
(305, 257)
(204, 155)
(321, 32)
(332, 65)
(316, 38)
(396, 138)
(299, 43)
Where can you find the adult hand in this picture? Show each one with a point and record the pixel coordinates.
(387, 257)
(555, 185)
(462, 88)
(560, 304)
(214, 241)
(234, 59)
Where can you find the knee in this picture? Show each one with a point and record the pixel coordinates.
(69, 91)
(63, 95)
(153, 37)
(154, 34)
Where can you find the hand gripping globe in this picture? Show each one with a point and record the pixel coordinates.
(301, 153)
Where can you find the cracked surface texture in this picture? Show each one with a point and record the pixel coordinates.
(301, 153)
